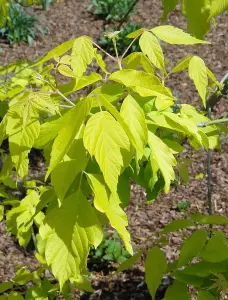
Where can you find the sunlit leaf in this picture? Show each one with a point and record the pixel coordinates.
(69, 231)
(174, 35)
(198, 73)
(82, 55)
(151, 47)
(105, 139)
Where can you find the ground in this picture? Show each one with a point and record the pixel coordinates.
(70, 18)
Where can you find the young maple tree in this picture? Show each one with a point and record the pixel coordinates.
(128, 127)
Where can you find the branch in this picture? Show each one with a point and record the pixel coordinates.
(132, 42)
(214, 122)
(109, 55)
(216, 97)
(38, 76)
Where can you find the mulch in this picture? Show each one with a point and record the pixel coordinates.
(71, 18)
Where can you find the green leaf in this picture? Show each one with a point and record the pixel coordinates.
(216, 250)
(134, 117)
(162, 159)
(110, 92)
(177, 291)
(3, 130)
(132, 78)
(142, 83)
(107, 141)
(82, 283)
(79, 83)
(168, 6)
(66, 135)
(123, 189)
(109, 257)
(127, 264)
(205, 269)
(1, 212)
(155, 267)
(22, 128)
(151, 47)
(218, 7)
(206, 219)
(136, 33)
(15, 296)
(119, 118)
(110, 205)
(101, 63)
(4, 286)
(136, 59)
(198, 73)
(176, 225)
(66, 71)
(188, 279)
(82, 55)
(205, 295)
(43, 102)
(174, 35)
(22, 276)
(182, 64)
(197, 13)
(58, 51)
(65, 172)
(69, 231)
(19, 219)
(192, 246)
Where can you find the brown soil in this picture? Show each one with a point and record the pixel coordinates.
(69, 19)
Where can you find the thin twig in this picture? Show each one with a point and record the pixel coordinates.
(65, 98)
(39, 77)
(214, 122)
(117, 55)
(109, 55)
(132, 42)
(209, 179)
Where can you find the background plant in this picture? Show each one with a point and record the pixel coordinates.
(126, 129)
(110, 249)
(22, 27)
(122, 41)
(110, 10)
